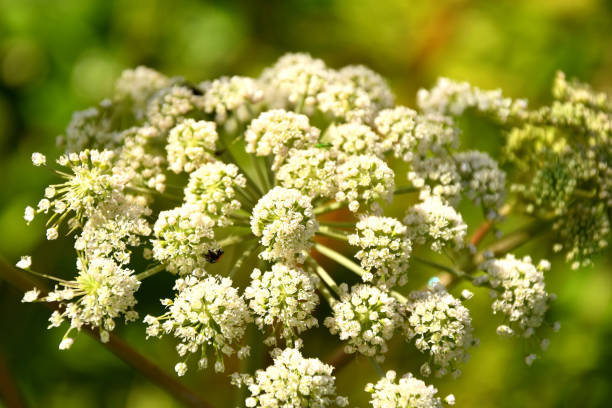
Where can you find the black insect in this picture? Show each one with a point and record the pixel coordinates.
(213, 256)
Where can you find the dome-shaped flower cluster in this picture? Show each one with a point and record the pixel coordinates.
(311, 171)
(385, 250)
(407, 392)
(366, 318)
(440, 326)
(293, 382)
(190, 144)
(208, 316)
(284, 221)
(282, 299)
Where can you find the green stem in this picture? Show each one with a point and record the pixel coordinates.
(377, 367)
(329, 207)
(328, 232)
(329, 281)
(338, 224)
(457, 273)
(150, 272)
(242, 258)
(405, 190)
(341, 259)
(233, 239)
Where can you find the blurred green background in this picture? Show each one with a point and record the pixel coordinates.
(64, 55)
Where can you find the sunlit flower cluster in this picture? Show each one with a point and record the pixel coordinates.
(407, 392)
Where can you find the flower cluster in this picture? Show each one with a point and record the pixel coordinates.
(407, 392)
(293, 382)
(366, 318)
(284, 220)
(207, 316)
(385, 250)
(519, 292)
(284, 299)
(302, 164)
(440, 326)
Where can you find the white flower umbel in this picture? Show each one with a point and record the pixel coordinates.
(171, 105)
(354, 139)
(362, 180)
(436, 134)
(409, 392)
(292, 382)
(231, 96)
(101, 292)
(114, 229)
(183, 238)
(137, 85)
(284, 300)
(435, 223)
(482, 180)
(143, 157)
(437, 176)
(366, 318)
(190, 144)
(207, 316)
(311, 171)
(277, 132)
(385, 250)
(520, 293)
(214, 187)
(452, 97)
(372, 83)
(93, 128)
(441, 327)
(90, 182)
(397, 129)
(294, 82)
(284, 221)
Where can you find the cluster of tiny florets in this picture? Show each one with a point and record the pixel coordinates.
(434, 222)
(231, 98)
(354, 139)
(284, 221)
(183, 237)
(407, 392)
(207, 315)
(292, 382)
(519, 292)
(311, 171)
(385, 250)
(366, 318)
(282, 299)
(362, 181)
(481, 178)
(440, 326)
(190, 144)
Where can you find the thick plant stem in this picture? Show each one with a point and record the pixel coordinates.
(329, 232)
(405, 190)
(341, 259)
(150, 272)
(116, 345)
(329, 207)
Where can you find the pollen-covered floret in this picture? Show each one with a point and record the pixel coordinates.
(441, 327)
(101, 292)
(520, 292)
(190, 144)
(436, 223)
(233, 96)
(385, 250)
(366, 318)
(311, 171)
(292, 382)
(207, 316)
(452, 97)
(183, 237)
(277, 132)
(362, 180)
(354, 139)
(409, 392)
(482, 180)
(282, 299)
(285, 223)
(215, 187)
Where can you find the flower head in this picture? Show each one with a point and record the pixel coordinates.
(191, 144)
(407, 392)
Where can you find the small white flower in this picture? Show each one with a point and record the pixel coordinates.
(408, 392)
(66, 343)
(25, 262)
(38, 159)
(31, 295)
(52, 233)
(29, 214)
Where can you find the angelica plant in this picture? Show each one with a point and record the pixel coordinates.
(295, 169)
